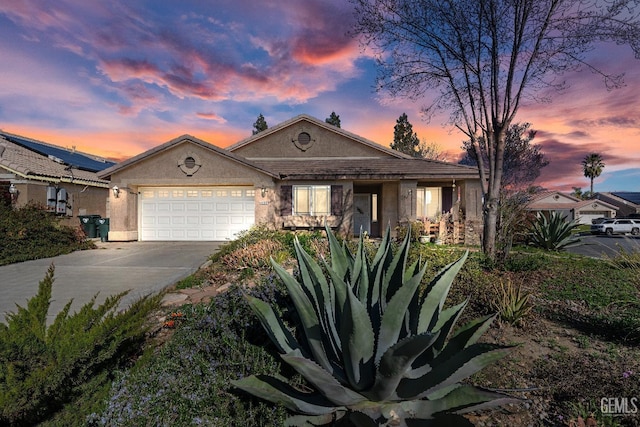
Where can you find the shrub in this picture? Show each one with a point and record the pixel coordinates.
(511, 302)
(553, 233)
(187, 381)
(414, 228)
(30, 232)
(374, 349)
(43, 367)
(255, 255)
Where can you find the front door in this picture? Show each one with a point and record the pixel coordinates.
(361, 213)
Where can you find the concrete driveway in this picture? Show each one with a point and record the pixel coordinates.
(141, 267)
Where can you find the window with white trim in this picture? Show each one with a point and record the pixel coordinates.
(311, 200)
(428, 202)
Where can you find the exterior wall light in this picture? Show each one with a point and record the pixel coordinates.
(263, 191)
(116, 191)
(14, 192)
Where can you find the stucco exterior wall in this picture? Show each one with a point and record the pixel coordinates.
(471, 200)
(324, 143)
(83, 199)
(389, 208)
(163, 169)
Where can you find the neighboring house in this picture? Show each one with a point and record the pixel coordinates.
(298, 174)
(571, 207)
(627, 202)
(63, 180)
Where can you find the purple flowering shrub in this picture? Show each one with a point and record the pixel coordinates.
(188, 380)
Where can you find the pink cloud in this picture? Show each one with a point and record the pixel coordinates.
(211, 116)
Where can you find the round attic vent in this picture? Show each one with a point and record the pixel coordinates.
(304, 138)
(190, 162)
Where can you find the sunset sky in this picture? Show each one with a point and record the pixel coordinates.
(115, 78)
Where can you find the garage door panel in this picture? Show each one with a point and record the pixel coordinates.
(195, 214)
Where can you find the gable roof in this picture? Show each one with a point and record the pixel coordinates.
(177, 141)
(33, 165)
(320, 123)
(71, 158)
(539, 203)
(545, 194)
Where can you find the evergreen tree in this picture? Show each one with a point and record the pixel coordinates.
(333, 119)
(405, 139)
(260, 124)
(523, 160)
(592, 166)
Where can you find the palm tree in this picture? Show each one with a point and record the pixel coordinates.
(592, 166)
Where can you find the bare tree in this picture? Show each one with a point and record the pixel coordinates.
(481, 58)
(431, 151)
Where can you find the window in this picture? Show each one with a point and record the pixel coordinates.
(192, 193)
(374, 208)
(429, 202)
(311, 199)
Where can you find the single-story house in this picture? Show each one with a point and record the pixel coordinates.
(627, 202)
(301, 173)
(63, 180)
(571, 207)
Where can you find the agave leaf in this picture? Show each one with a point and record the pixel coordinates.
(450, 370)
(339, 259)
(446, 322)
(358, 262)
(394, 275)
(313, 420)
(308, 317)
(436, 294)
(382, 249)
(449, 420)
(322, 380)
(393, 317)
(467, 335)
(395, 363)
(462, 399)
(377, 276)
(468, 398)
(339, 298)
(316, 287)
(358, 342)
(276, 329)
(277, 391)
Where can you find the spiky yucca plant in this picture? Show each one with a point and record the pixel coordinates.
(377, 350)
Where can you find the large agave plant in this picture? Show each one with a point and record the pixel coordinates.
(553, 233)
(376, 349)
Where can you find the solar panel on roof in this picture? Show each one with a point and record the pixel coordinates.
(633, 197)
(77, 160)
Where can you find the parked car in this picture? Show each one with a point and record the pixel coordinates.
(600, 220)
(617, 226)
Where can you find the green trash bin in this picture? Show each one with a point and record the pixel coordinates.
(89, 225)
(103, 229)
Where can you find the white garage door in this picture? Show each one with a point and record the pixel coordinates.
(195, 213)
